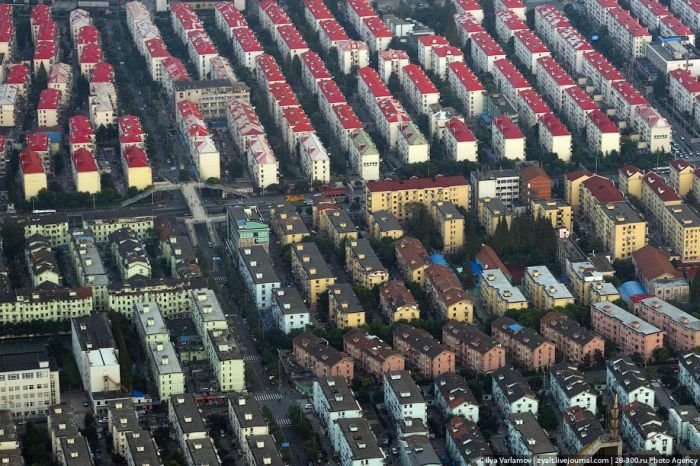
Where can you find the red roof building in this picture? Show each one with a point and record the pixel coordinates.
(103, 72)
(38, 142)
(49, 99)
(459, 130)
(135, 157)
(466, 76)
(534, 183)
(369, 78)
(84, 161)
(416, 183)
(602, 189)
(30, 162)
(507, 128)
(267, 67)
(346, 117)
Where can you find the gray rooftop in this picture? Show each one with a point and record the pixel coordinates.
(264, 450)
(289, 220)
(341, 221)
(87, 253)
(345, 296)
(362, 250)
(258, 264)
(311, 260)
(142, 448)
(289, 300)
(628, 375)
(386, 221)
(512, 384)
(447, 210)
(94, 331)
(622, 213)
(188, 415)
(224, 344)
(150, 319)
(495, 206)
(643, 418)
(453, 388)
(419, 451)
(532, 434)
(496, 278)
(247, 410)
(675, 314)
(570, 379)
(583, 424)
(76, 451)
(360, 439)
(165, 358)
(691, 362)
(518, 332)
(202, 452)
(338, 394)
(627, 319)
(207, 305)
(25, 361)
(61, 421)
(544, 278)
(403, 386)
(468, 439)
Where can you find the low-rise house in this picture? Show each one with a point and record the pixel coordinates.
(374, 355)
(689, 375)
(511, 393)
(499, 294)
(424, 352)
(575, 342)
(569, 388)
(543, 290)
(523, 344)
(363, 265)
(344, 307)
(454, 397)
(258, 274)
(129, 252)
(446, 295)
(397, 302)
(643, 430)
(626, 380)
(356, 443)
(314, 354)
(95, 352)
(659, 277)
(288, 310)
(403, 398)
(580, 428)
(681, 330)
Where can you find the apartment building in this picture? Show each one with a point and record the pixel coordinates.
(507, 23)
(682, 176)
(681, 227)
(507, 140)
(626, 380)
(165, 369)
(689, 374)
(511, 392)
(357, 444)
(681, 330)
(524, 345)
(575, 342)
(460, 143)
(314, 354)
(577, 104)
(364, 155)
(423, 352)
(129, 253)
(446, 295)
(41, 262)
(420, 91)
(581, 428)
(363, 265)
(552, 81)
(498, 294)
(413, 147)
(32, 173)
(454, 397)
(397, 302)
(529, 48)
(246, 228)
(485, 51)
(121, 421)
(310, 271)
(527, 439)
(501, 184)
(396, 195)
(642, 429)
(383, 224)
(464, 442)
(450, 224)
(626, 330)
(621, 228)
(95, 353)
(632, 38)
(602, 134)
(509, 80)
(657, 195)
(569, 388)
(543, 290)
(474, 350)
(332, 400)
(556, 211)
(571, 46)
(246, 418)
(374, 356)
(412, 259)
(287, 224)
(403, 398)
(531, 107)
(555, 138)
(31, 383)
(468, 88)
(288, 310)
(344, 308)
(547, 20)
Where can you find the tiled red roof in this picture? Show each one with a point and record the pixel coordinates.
(485, 42)
(629, 170)
(530, 40)
(331, 92)
(17, 74)
(312, 62)
(392, 54)
(377, 27)
(603, 189)
(333, 30)
(554, 125)
(628, 92)
(432, 40)
(49, 99)
(466, 76)
(283, 94)
(92, 53)
(581, 98)
(291, 37)
(659, 186)
(38, 141)
(30, 162)
(506, 127)
(416, 183)
(686, 79)
(157, 48)
(135, 157)
(532, 100)
(509, 71)
(459, 130)
(267, 65)
(318, 9)
(575, 175)
(510, 20)
(654, 263)
(80, 129)
(88, 35)
(448, 51)
(47, 31)
(103, 72)
(174, 69)
(550, 66)
(628, 22)
(604, 67)
(419, 79)
(680, 165)
(84, 161)
(602, 122)
(361, 8)
(297, 119)
(374, 82)
(347, 117)
(247, 40)
(45, 50)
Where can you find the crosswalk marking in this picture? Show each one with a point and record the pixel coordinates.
(267, 396)
(252, 357)
(283, 421)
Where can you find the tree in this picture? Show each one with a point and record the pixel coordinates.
(660, 86)
(420, 224)
(624, 270)
(547, 418)
(637, 358)
(662, 354)
(394, 84)
(694, 295)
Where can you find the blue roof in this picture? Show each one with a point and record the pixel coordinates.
(631, 288)
(476, 267)
(515, 327)
(439, 258)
